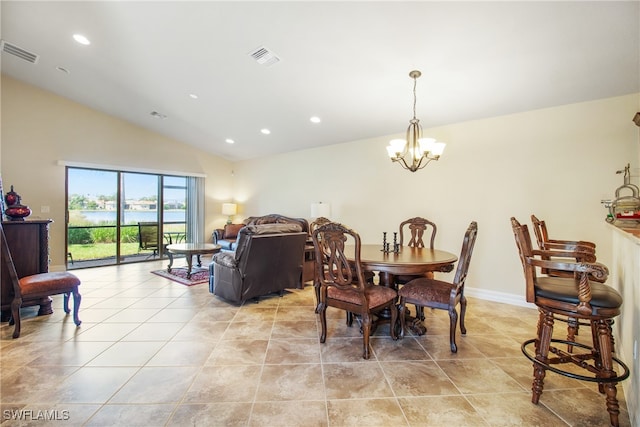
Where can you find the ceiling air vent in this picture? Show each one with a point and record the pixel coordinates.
(264, 56)
(14, 50)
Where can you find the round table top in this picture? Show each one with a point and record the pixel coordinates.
(407, 261)
(194, 248)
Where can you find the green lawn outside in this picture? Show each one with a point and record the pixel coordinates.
(102, 250)
(106, 249)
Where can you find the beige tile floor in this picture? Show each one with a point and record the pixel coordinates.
(151, 352)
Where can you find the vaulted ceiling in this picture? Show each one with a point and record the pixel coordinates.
(347, 63)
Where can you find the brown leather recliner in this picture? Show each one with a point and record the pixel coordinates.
(268, 259)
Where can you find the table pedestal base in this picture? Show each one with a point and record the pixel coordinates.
(417, 327)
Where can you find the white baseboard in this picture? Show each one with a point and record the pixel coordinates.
(495, 296)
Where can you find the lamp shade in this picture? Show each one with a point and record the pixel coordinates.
(229, 208)
(320, 210)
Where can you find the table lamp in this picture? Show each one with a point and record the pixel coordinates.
(229, 209)
(320, 210)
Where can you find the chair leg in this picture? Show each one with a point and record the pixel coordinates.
(572, 331)
(76, 306)
(15, 315)
(613, 343)
(463, 312)
(366, 331)
(601, 329)
(394, 321)
(453, 320)
(322, 312)
(349, 318)
(316, 287)
(65, 302)
(402, 308)
(597, 362)
(545, 332)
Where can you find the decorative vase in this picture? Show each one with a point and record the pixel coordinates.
(14, 210)
(12, 198)
(17, 212)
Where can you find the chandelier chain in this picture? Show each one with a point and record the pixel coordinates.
(415, 82)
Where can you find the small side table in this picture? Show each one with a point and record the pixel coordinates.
(189, 250)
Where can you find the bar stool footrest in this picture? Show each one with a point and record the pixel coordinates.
(573, 375)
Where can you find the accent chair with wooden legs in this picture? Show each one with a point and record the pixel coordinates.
(40, 285)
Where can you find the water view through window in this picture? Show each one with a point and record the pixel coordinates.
(118, 217)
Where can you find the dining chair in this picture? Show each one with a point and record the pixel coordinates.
(37, 286)
(429, 292)
(418, 229)
(575, 296)
(342, 283)
(578, 250)
(368, 275)
(316, 281)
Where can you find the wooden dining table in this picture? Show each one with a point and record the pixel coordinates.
(407, 261)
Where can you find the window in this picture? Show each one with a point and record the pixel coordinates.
(116, 217)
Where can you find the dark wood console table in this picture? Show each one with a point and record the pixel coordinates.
(29, 245)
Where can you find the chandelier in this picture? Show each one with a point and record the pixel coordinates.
(414, 152)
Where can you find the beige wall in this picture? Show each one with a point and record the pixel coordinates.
(557, 163)
(39, 129)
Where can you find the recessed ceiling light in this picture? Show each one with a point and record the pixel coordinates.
(81, 39)
(193, 96)
(265, 131)
(229, 141)
(315, 119)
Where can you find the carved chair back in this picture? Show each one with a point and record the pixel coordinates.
(333, 265)
(417, 228)
(468, 244)
(544, 242)
(525, 252)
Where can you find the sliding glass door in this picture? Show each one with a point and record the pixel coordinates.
(92, 202)
(120, 217)
(174, 209)
(139, 216)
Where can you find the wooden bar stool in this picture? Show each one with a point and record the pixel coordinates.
(578, 297)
